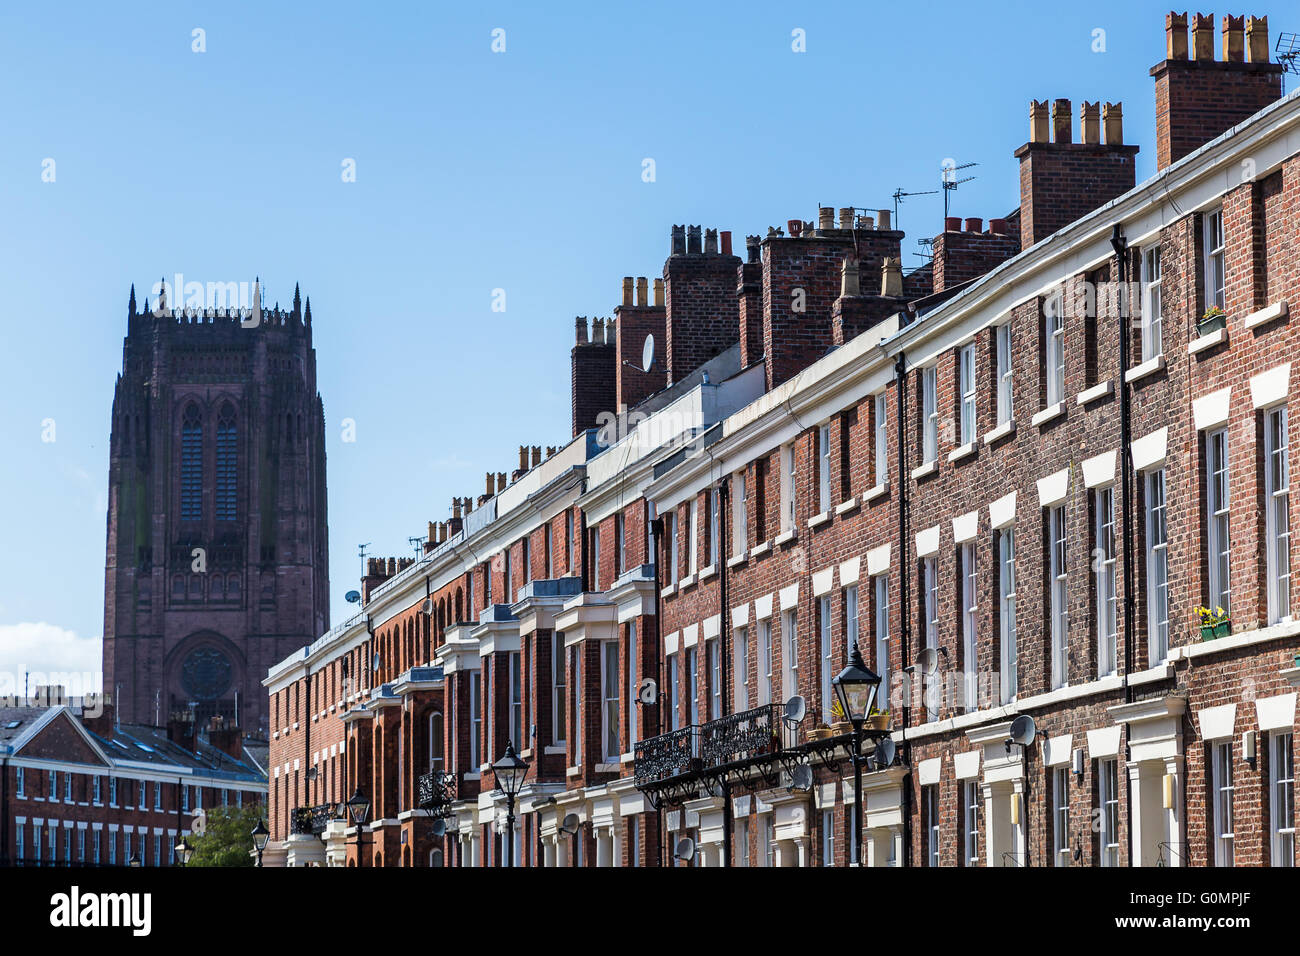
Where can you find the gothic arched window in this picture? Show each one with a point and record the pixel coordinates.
(227, 455)
(191, 465)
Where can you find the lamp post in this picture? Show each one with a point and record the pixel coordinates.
(184, 851)
(358, 810)
(260, 837)
(856, 688)
(510, 771)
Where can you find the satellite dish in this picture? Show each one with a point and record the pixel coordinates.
(648, 353)
(353, 597)
(928, 660)
(648, 692)
(1023, 730)
(427, 608)
(885, 751)
(439, 826)
(571, 824)
(685, 850)
(802, 778)
(199, 823)
(311, 773)
(795, 709)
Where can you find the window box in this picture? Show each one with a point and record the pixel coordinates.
(1210, 631)
(819, 733)
(1211, 321)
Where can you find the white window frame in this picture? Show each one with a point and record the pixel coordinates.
(632, 671)
(1105, 579)
(739, 519)
(1108, 805)
(1223, 791)
(966, 381)
(514, 663)
(971, 823)
(970, 624)
(1058, 579)
(828, 837)
(693, 537)
(674, 695)
(610, 716)
(1054, 337)
(1216, 260)
(881, 584)
(827, 656)
(1281, 800)
(1218, 540)
(475, 718)
(670, 533)
(1152, 327)
(559, 691)
(1157, 548)
(1004, 382)
(930, 414)
(713, 659)
(715, 527)
(595, 558)
(1061, 816)
(620, 546)
(788, 485)
(765, 662)
(790, 653)
(1010, 650)
(740, 668)
(1277, 521)
(882, 439)
(693, 683)
(823, 469)
(933, 833)
(930, 590)
(852, 627)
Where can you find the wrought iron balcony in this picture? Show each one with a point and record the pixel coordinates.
(750, 733)
(667, 755)
(313, 820)
(435, 790)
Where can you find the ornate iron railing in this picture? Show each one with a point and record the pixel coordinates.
(667, 755)
(312, 820)
(750, 733)
(435, 790)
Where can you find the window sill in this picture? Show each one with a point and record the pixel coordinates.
(845, 507)
(574, 771)
(1264, 316)
(760, 549)
(609, 766)
(628, 758)
(1002, 431)
(784, 537)
(667, 590)
(818, 520)
(929, 468)
(708, 572)
(965, 451)
(473, 775)
(737, 561)
(1096, 393)
(686, 582)
(1148, 368)
(1048, 414)
(876, 492)
(551, 749)
(1219, 337)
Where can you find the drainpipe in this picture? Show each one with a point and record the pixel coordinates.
(900, 376)
(1120, 244)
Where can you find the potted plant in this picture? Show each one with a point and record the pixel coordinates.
(841, 724)
(878, 719)
(820, 732)
(1212, 320)
(1214, 623)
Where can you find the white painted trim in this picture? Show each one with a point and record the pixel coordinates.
(1149, 367)
(849, 571)
(1047, 414)
(1002, 431)
(690, 635)
(963, 451)
(875, 492)
(823, 581)
(763, 607)
(1053, 489)
(1201, 343)
(1100, 390)
(1271, 313)
(1056, 750)
(930, 770)
(966, 766)
(1217, 722)
(671, 643)
(927, 542)
(1276, 713)
(760, 549)
(929, 468)
(1002, 512)
(1099, 470)
(784, 536)
(846, 506)
(790, 597)
(878, 560)
(1148, 452)
(1271, 387)
(712, 626)
(965, 527)
(1211, 411)
(740, 616)
(1103, 742)
(816, 521)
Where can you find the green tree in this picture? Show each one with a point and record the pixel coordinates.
(228, 838)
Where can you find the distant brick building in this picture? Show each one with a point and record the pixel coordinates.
(79, 789)
(927, 466)
(217, 555)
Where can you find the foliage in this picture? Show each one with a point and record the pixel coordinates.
(228, 837)
(1209, 618)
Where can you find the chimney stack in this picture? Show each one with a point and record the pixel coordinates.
(891, 278)
(1200, 98)
(701, 311)
(1061, 181)
(849, 284)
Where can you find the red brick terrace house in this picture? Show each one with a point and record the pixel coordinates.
(827, 452)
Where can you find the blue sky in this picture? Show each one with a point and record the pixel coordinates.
(475, 171)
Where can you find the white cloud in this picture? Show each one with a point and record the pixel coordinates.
(48, 654)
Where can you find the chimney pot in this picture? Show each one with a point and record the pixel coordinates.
(642, 299)
(726, 242)
(491, 484)
(952, 224)
(825, 218)
(659, 292)
(849, 277)
(974, 225)
(794, 227)
(710, 242)
(846, 217)
(891, 278)
(1257, 39)
(580, 325)
(523, 457)
(537, 455)
(1203, 36)
(1234, 39)
(678, 245)
(883, 219)
(866, 223)
(501, 481)
(752, 244)
(597, 331)
(693, 240)
(1175, 36)
(998, 227)
(627, 290)
(1061, 113)
(1112, 119)
(1039, 127)
(1090, 123)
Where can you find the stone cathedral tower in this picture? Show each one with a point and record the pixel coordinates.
(218, 556)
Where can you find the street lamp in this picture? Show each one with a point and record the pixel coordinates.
(260, 837)
(358, 810)
(856, 687)
(510, 771)
(134, 860)
(184, 851)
